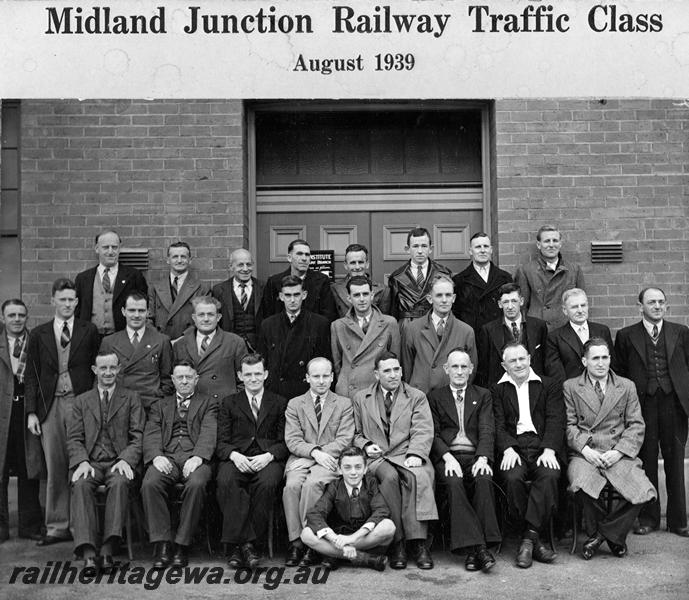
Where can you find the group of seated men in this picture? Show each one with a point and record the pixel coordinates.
(178, 398)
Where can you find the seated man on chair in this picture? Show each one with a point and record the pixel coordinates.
(179, 442)
(350, 517)
(605, 431)
(104, 445)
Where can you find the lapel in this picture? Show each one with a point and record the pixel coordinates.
(93, 404)
(187, 290)
(168, 410)
(141, 349)
(5, 350)
(257, 293)
(497, 336)
(190, 341)
(400, 406)
(534, 389)
(213, 346)
(120, 282)
(343, 498)
(164, 293)
(194, 406)
(428, 332)
(48, 339)
(116, 403)
(310, 412)
(78, 333)
(448, 402)
(327, 409)
(469, 405)
(263, 410)
(374, 333)
(371, 402)
(245, 407)
(636, 335)
(120, 342)
(613, 391)
(570, 337)
(671, 335)
(352, 325)
(588, 395)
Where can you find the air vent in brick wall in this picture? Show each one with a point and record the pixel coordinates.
(134, 257)
(606, 252)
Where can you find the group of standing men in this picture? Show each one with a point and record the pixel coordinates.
(437, 378)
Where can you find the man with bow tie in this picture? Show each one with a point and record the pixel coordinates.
(252, 453)
(105, 444)
(14, 438)
(179, 442)
(59, 358)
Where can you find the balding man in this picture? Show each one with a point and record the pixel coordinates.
(241, 296)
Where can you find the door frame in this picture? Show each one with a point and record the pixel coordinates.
(324, 105)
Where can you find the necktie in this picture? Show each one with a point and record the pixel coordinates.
(515, 332)
(174, 288)
(654, 334)
(65, 337)
(355, 493)
(582, 334)
(182, 408)
(107, 285)
(441, 328)
(244, 299)
(292, 318)
(104, 404)
(204, 344)
(254, 407)
(419, 276)
(459, 396)
(135, 339)
(317, 407)
(599, 392)
(18, 345)
(364, 325)
(388, 412)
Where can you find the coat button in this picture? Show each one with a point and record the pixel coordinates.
(433, 366)
(214, 377)
(612, 432)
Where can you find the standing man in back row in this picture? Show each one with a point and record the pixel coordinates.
(546, 277)
(356, 264)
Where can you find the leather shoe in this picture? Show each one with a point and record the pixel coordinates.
(107, 564)
(423, 556)
(398, 556)
(235, 559)
(49, 540)
(311, 557)
(680, 531)
(644, 529)
(485, 560)
(251, 557)
(591, 545)
(294, 554)
(90, 568)
(471, 563)
(162, 555)
(180, 559)
(525, 554)
(542, 553)
(618, 550)
(330, 562)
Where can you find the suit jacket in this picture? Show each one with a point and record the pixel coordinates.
(547, 414)
(289, 347)
(616, 424)
(477, 301)
(411, 434)
(332, 509)
(128, 280)
(406, 298)
(424, 354)
(303, 433)
(202, 425)
(224, 291)
(564, 350)
(238, 430)
(124, 424)
(478, 423)
(354, 352)
(173, 318)
(147, 369)
(380, 293)
(218, 367)
(493, 337)
(630, 358)
(319, 298)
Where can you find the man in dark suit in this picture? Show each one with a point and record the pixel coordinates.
(58, 368)
(169, 301)
(318, 298)
(14, 438)
(350, 517)
(252, 453)
(477, 286)
(215, 353)
(462, 454)
(654, 354)
(565, 345)
(105, 444)
(179, 442)
(410, 284)
(513, 326)
(101, 290)
(530, 431)
(241, 296)
(290, 339)
(144, 354)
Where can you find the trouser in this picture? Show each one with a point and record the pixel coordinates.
(613, 526)
(303, 487)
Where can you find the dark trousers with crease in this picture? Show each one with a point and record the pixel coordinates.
(613, 526)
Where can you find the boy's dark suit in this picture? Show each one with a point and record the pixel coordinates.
(471, 523)
(564, 350)
(123, 427)
(333, 508)
(128, 280)
(202, 424)
(247, 498)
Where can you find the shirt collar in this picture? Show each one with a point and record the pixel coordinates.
(112, 271)
(479, 269)
(200, 336)
(436, 319)
(140, 332)
(518, 322)
(350, 488)
(70, 322)
(603, 383)
(110, 391)
(258, 396)
(415, 267)
(454, 390)
(179, 398)
(180, 278)
(313, 396)
(576, 327)
(532, 377)
(237, 284)
(649, 326)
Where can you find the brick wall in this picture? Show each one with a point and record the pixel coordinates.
(600, 170)
(156, 171)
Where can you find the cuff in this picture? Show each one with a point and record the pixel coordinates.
(323, 532)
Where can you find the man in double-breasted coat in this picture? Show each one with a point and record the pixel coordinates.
(605, 431)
